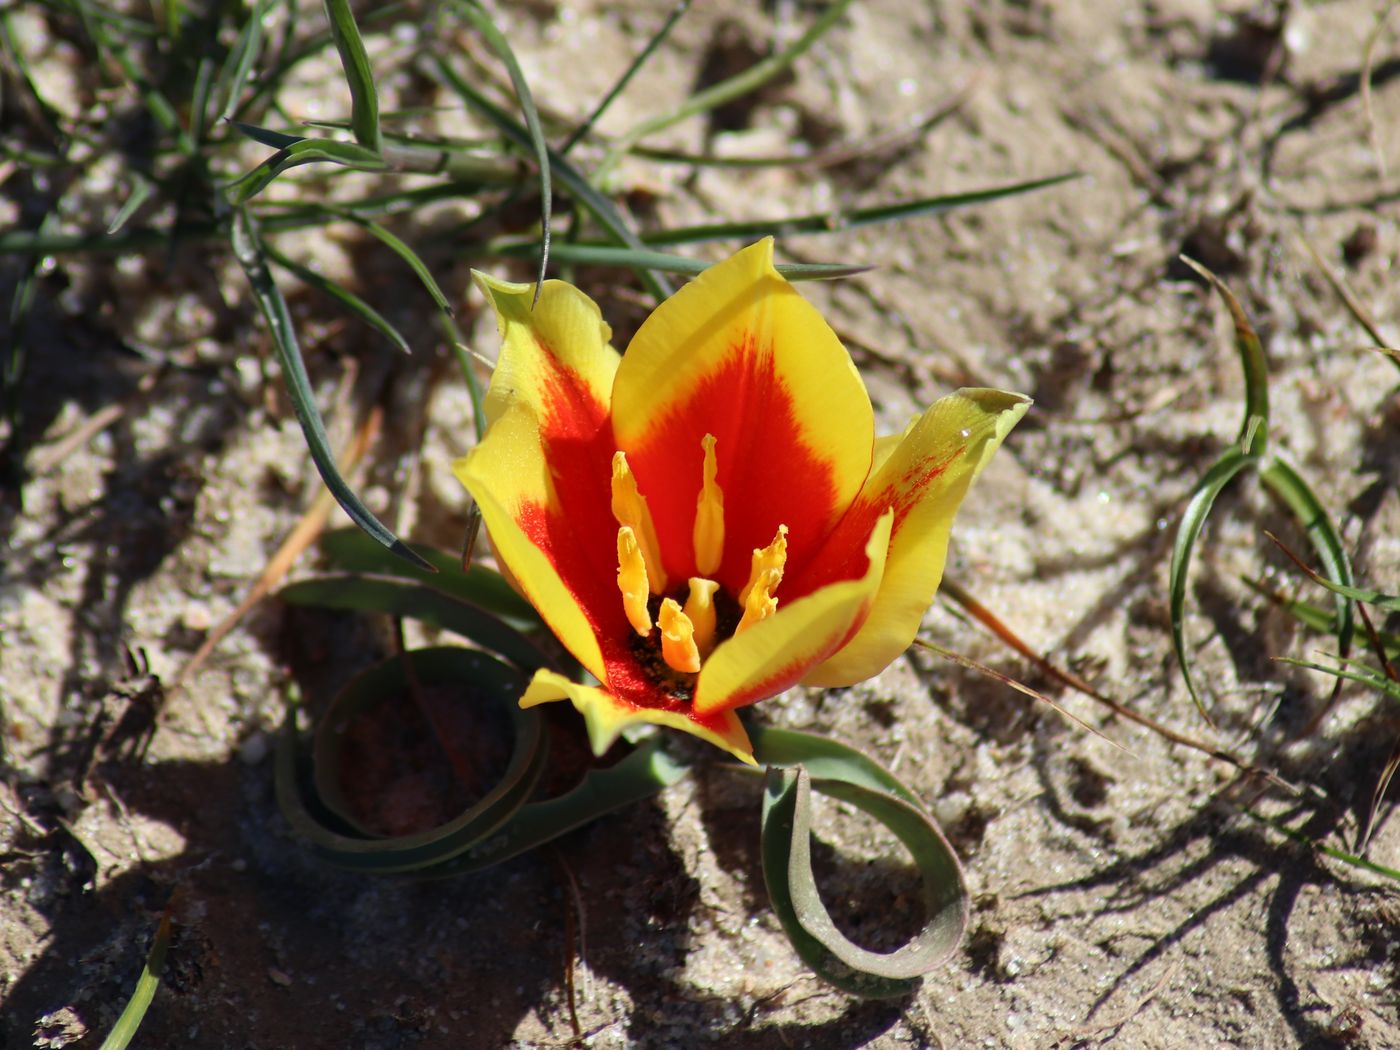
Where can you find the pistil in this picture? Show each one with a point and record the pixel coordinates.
(700, 611)
(709, 515)
(678, 647)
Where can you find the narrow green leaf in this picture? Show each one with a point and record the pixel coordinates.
(497, 41)
(124, 1031)
(1288, 486)
(140, 193)
(1327, 851)
(631, 71)
(633, 259)
(1192, 521)
(600, 206)
(359, 77)
(835, 222)
(1352, 671)
(728, 90)
(492, 683)
(340, 293)
(408, 255)
(307, 151)
(267, 136)
(199, 100)
(351, 550)
(416, 601)
(1315, 617)
(1254, 431)
(247, 249)
(238, 63)
(787, 870)
(640, 775)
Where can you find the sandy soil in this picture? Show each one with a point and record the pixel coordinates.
(1120, 897)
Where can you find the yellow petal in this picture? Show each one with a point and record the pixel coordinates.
(739, 354)
(776, 653)
(606, 716)
(541, 473)
(924, 481)
(561, 341)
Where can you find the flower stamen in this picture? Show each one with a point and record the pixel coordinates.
(760, 603)
(700, 611)
(766, 559)
(709, 515)
(632, 581)
(630, 508)
(678, 646)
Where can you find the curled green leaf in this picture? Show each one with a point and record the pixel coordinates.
(339, 840)
(787, 870)
(1192, 521)
(396, 597)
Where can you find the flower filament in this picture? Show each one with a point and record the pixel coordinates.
(685, 635)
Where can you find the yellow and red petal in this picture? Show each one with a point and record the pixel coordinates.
(776, 653)
(923, 481)
(542, 473)
(606, 715)
(739, 354)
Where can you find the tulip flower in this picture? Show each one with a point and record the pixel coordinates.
(709, 519)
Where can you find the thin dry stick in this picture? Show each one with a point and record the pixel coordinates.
(988, 619)
(1358, 312)
(311, 525)
(1367, 65)
(49, 458)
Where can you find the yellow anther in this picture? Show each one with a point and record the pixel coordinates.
(709, 515)
(700, 611)
(630, 508)
(767, 559)
(760, 603)
(677, 638)
(632, 581)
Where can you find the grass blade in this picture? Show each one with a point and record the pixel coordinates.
(601, 207)
(247, 249)
(634, 259)
(124, 1031)
(238, 63)
(359, 77)
(1192, 521)
(1254, 431)
(408, 255)
(305, 151)
(483, 24)
(341, 294)
(1325, 850)
(835, 222)
(737, 86)
(1288, 486)
(631, 71)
